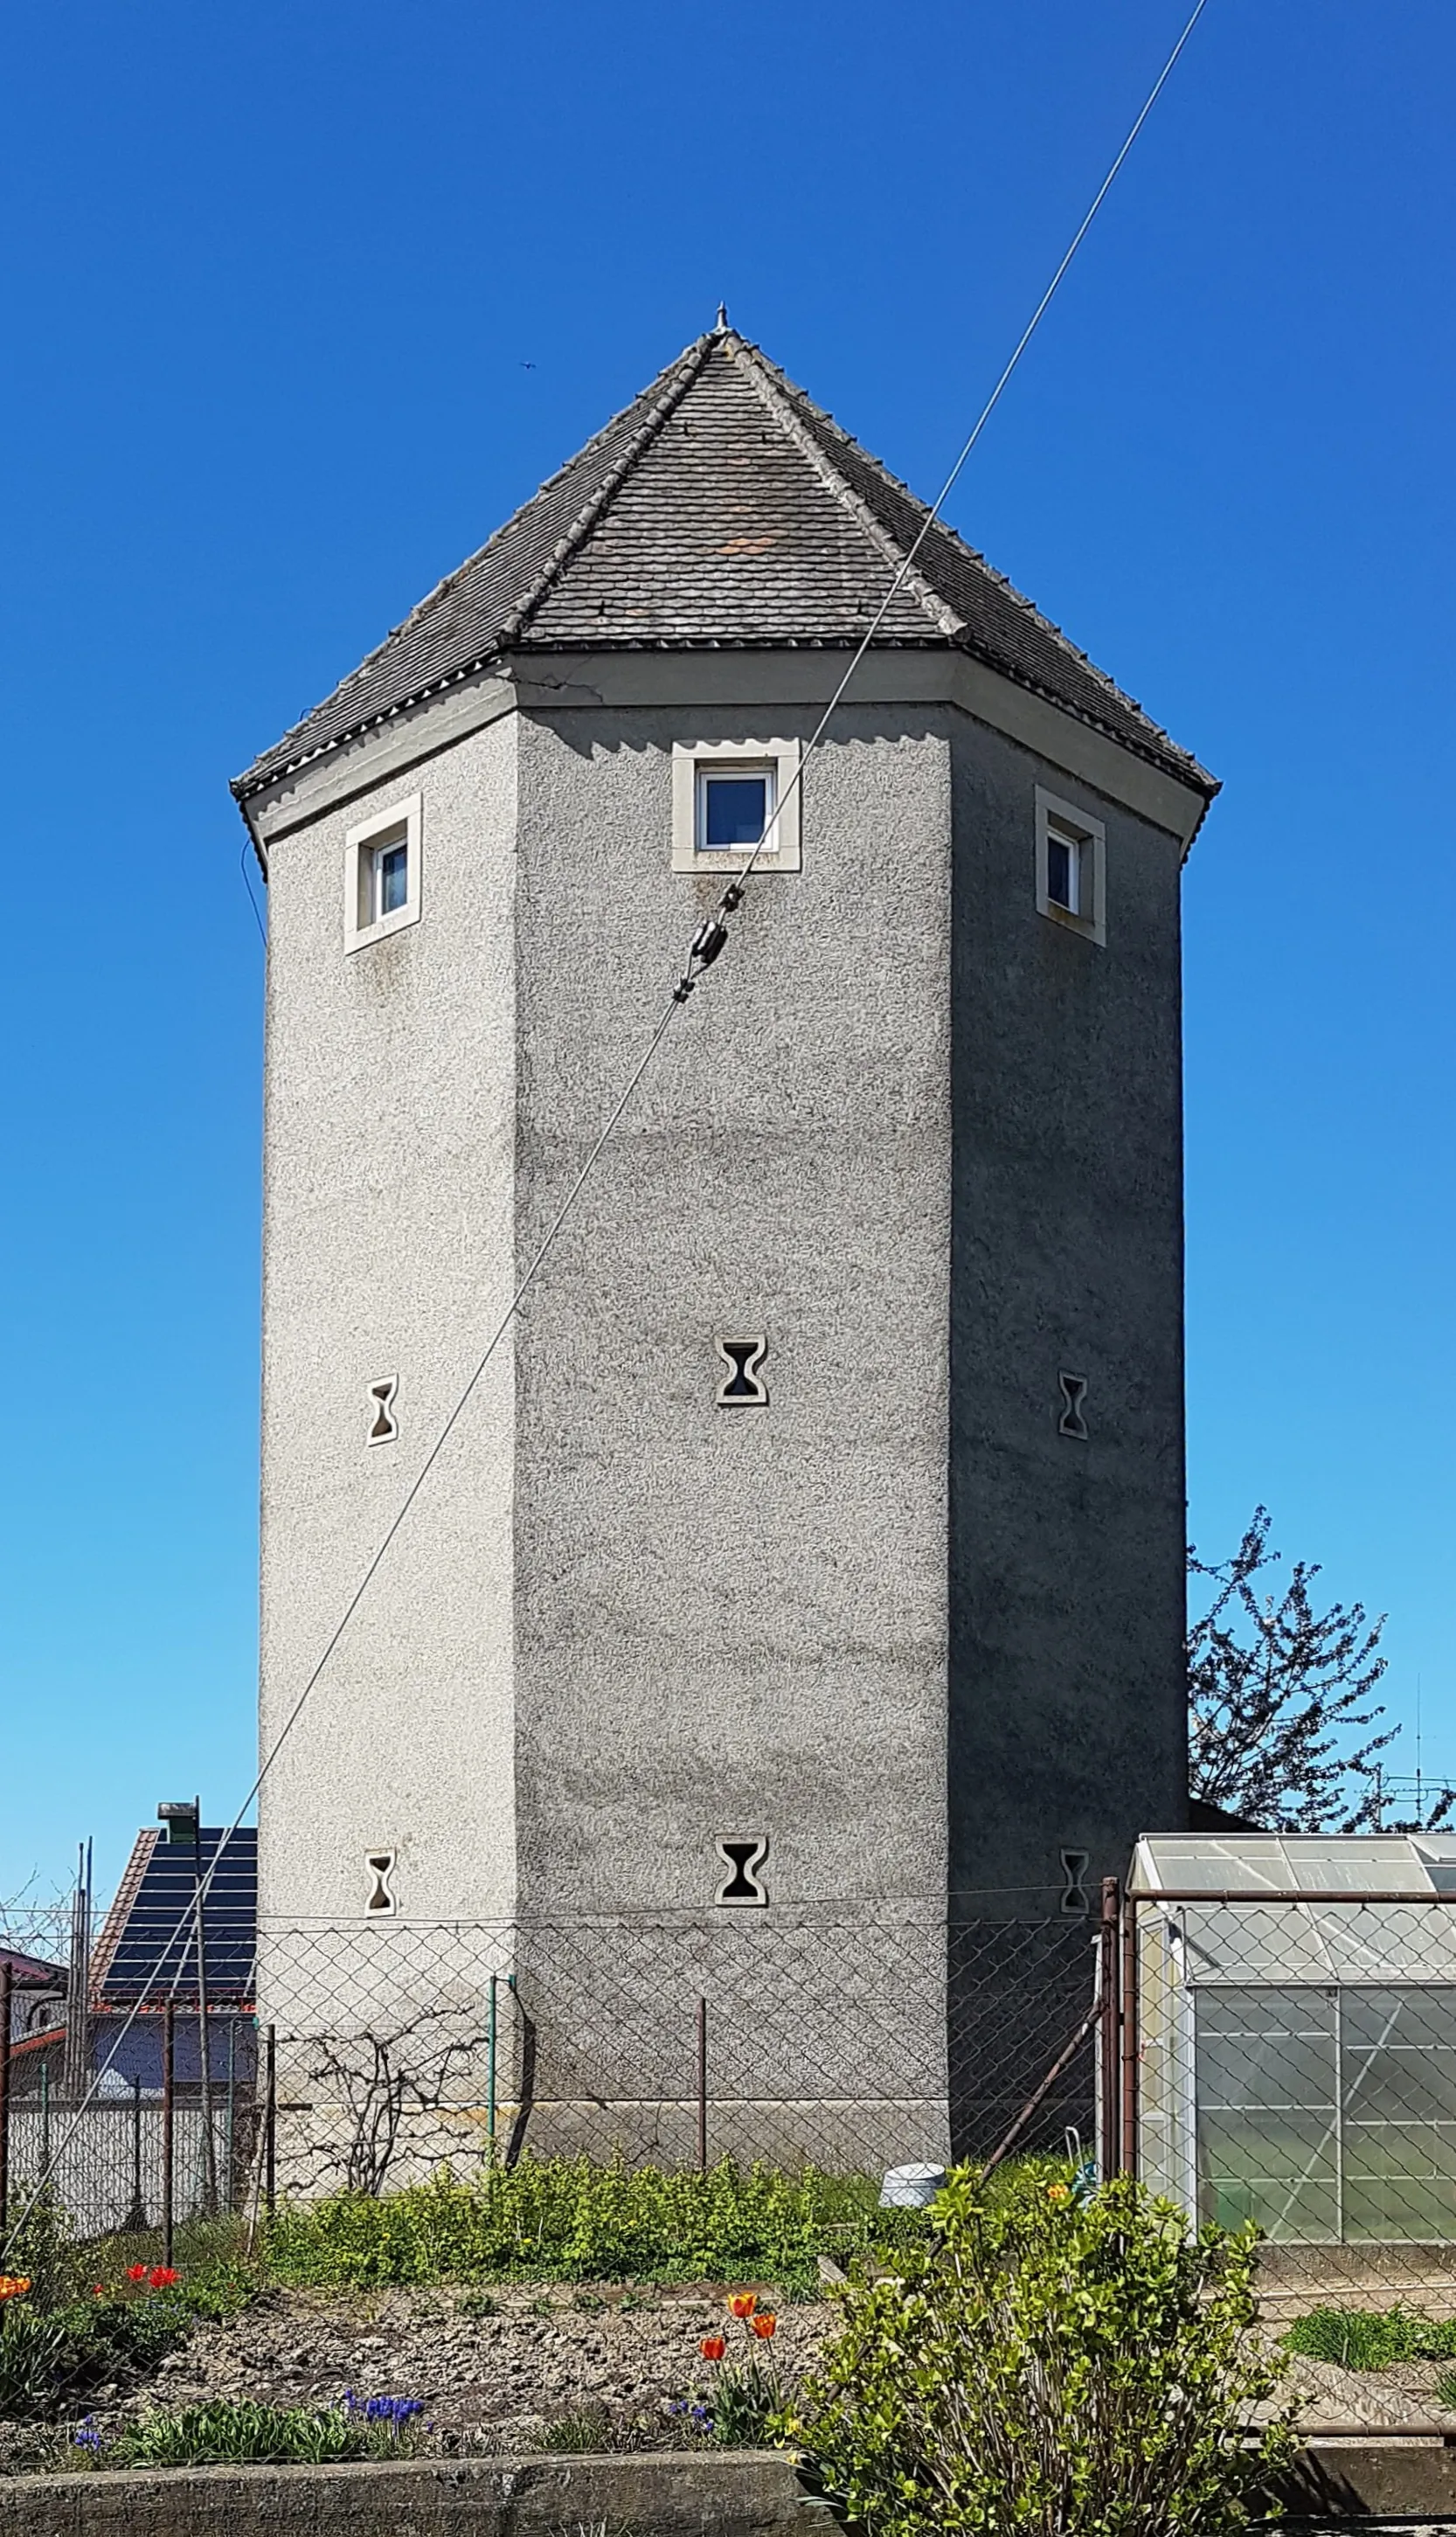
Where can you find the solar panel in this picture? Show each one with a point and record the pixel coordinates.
(156, 1953)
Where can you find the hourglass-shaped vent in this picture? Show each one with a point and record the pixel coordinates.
(384, 1425)
(1074, 1392)
(383, 1901)
(743, 1385)
(743, 1859)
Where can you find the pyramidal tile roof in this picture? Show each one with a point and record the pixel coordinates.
(721, 510)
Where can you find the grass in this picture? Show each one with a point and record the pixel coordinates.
(1373, 2339)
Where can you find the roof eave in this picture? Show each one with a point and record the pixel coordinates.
(262, 775)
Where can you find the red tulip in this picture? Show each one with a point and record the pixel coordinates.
(742, 2303)
(162, 2277)
(136, 2272)
(763, 2324)
(98, 2290)
(712, 2347)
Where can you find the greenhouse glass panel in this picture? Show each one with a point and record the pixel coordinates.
(1297, 2035)
(1393, 2211)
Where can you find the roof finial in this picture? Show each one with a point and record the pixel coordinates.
(721, 327)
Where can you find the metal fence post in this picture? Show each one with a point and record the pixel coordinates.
(1110, 2094)
(6, 1981)
(270, 2124)
(168, 2072)
(229, 2134)
(490, 2068)
(1131, 2062)
(136, 2217)
(703, 2087)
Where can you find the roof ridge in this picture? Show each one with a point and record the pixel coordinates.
(682, 372)
(799, 398)
(772, 386)
(685, 369)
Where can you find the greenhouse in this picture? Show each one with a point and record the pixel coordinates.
(1296, 2044)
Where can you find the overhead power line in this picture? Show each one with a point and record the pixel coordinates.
(706, 945)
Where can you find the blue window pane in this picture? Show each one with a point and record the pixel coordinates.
(735, 810)
(394, 879)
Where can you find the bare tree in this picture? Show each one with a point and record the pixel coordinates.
(1278, 1693)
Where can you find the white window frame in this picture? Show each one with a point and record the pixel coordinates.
(1079, 830)
(691, 763)
(401, 823)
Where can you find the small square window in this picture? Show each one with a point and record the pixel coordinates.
(1070, 867)
(381, 874)
(736, 801)
(734, 808)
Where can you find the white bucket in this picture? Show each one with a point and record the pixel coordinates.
(910, 2189)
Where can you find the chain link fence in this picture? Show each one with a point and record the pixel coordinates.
(1285, 2058)
(894, 2039)
(380, 2051)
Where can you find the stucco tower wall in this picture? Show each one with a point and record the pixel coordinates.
(389, 1250)
(1067, 1714)
(734, 1621)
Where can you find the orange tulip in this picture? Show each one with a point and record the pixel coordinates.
(763, 2324)
(742, 2303)
(14, 2285)
(712, 2347)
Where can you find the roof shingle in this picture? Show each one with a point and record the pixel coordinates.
(721, 510)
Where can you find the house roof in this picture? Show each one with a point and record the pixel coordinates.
(30, 1973)
(148, 1943)
(721, 510)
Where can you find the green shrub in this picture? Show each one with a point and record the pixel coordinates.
(1371, 2338)
(1048, 2367)
(227, 2434)
(574, 2220)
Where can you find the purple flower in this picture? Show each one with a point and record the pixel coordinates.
(393, 2409)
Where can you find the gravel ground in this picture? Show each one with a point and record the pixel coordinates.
(493, 2368)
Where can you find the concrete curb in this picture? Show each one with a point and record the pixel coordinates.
(1399, 2477)
(748, 2493)
(664, 2493)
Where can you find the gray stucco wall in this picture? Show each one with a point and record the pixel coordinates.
(929, 1144)
(388, 1248)
(1066, 1574)
(733, 1622)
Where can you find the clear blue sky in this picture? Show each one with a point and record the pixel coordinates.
(274, 276)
